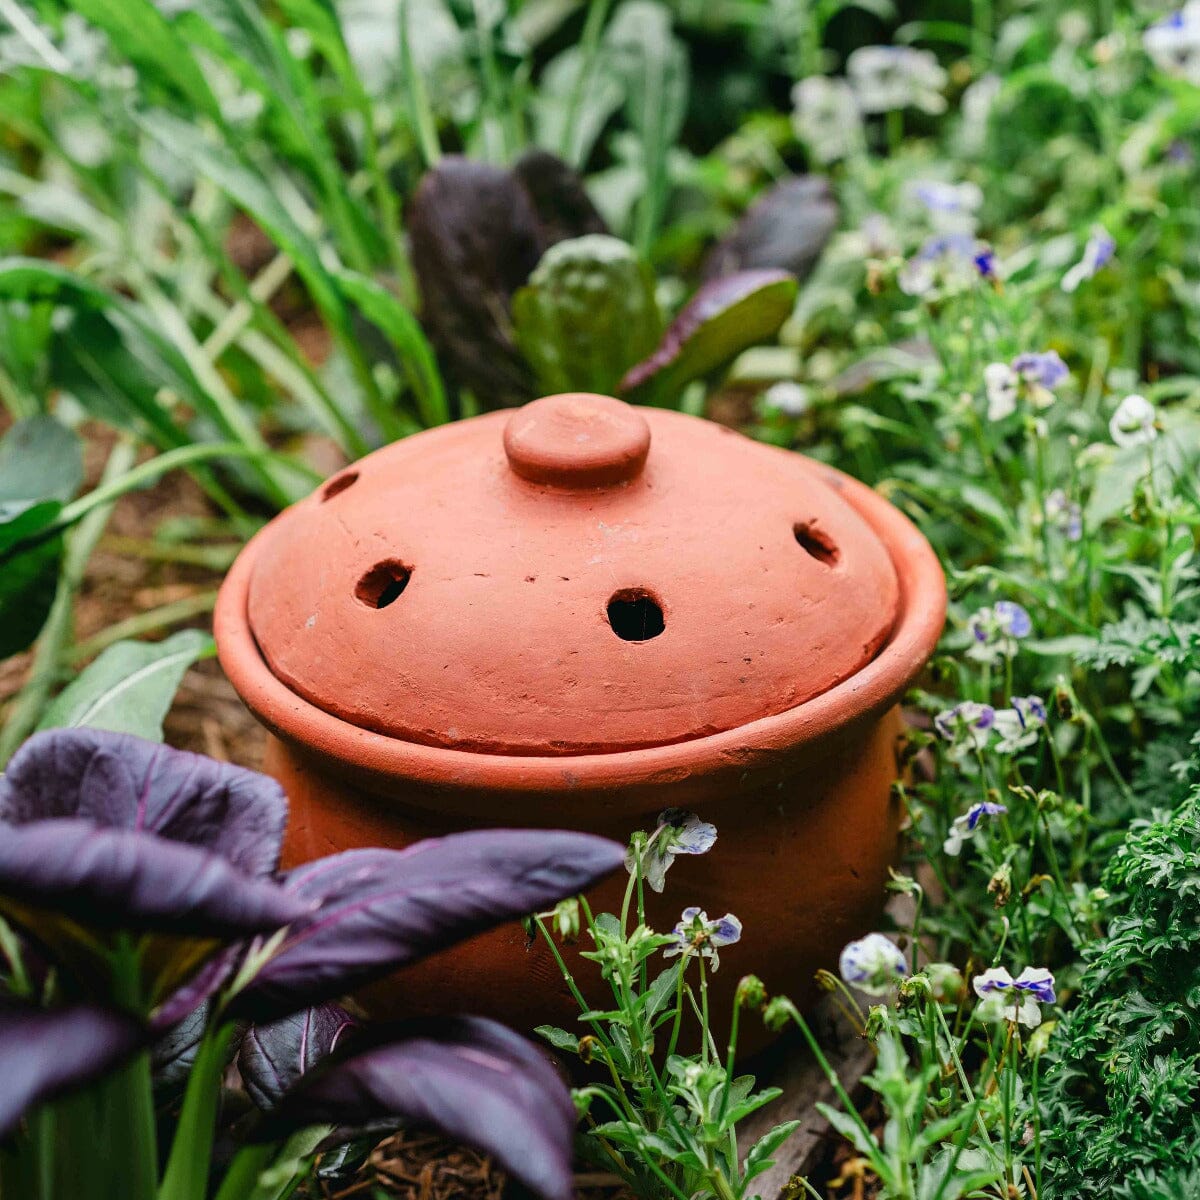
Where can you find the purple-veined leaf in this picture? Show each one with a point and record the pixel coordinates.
(128, 783)
(273, 1057)
(466, 1077)
(376, 910)
(118, 879)
(172, 1055)
(725, 317)
(785, 229)
(44, 1052)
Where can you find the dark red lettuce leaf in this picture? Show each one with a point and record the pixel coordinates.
(787, 228)
(476, 231)
(725, 317)
(273, 1057)
(468, 1078)
(45, 1052)
(119, 879)
(377, 910)
(125, 782)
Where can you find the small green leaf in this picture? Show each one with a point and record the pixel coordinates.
(724, 318)
(41, 466)
(759, 1158)
(129, 688)
(28, 582)
(560, 1039)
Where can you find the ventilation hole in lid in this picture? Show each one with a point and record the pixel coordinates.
(817, 544)
(635, 616)
(383, 583)
(338, 484)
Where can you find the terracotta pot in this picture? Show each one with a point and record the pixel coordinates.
(575, 616)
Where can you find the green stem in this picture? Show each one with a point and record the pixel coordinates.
(186, 1177)
(589, 47)
(27, 707)
(147, 622)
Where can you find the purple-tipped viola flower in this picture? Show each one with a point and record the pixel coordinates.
(963, 828)
(678, 832)
(1099, 250)
(115, 846)
(996, 630)
(874, 964)
(1032, 375)
(1173, 43)
(1064, 515)
(696, 934)
(966, 726)
(947, 262)
(950, 207)
(1014, 1000)
(1020, 726)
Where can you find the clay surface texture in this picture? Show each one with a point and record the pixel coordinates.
(577, 576)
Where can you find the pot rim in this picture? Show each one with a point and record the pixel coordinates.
(756, 745)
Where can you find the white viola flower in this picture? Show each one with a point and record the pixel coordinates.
(964, 828)
(1098, 252)
(787, 397)
(1173, 43)
(1065, 515)
(1013, 1000)
(951, 207)
(1134, 423)
(888, 78)
(678, 832)
(874, 964)
(695, 933)
(826, 119)
(1020, 726)
(1001, 384)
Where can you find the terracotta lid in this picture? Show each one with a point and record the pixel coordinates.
(576, 577)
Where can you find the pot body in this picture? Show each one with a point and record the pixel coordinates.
(801, 858)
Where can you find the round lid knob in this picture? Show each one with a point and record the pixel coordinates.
(577, 440)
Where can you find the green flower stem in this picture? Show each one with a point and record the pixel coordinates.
(589, 46)
(234, 421)
(148, 622)
(26, 709)
(186, 1176)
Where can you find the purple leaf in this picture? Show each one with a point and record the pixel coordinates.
(128, 783)
(476, 232)
(116, 879)
(274, 1057)
(725, 317)
(376, 910)
(786, 229)
(48, 1051)
(466, 1077)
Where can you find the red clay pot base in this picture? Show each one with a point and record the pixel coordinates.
(576, 615)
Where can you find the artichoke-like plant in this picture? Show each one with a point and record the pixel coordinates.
(139, 901)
